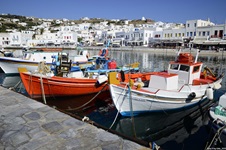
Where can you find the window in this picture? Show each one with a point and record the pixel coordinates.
(174, 66)
(196, 69)
(184, 68)
(194, 24)
(188, 25)
(203, 33)
(208, 33)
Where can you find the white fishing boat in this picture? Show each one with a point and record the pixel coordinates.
(184, 84)
(31, 59)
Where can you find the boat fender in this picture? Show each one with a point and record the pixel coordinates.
(122, 76)
(216, 86)
(85, 119)
(101, 79)
(140, 85)
(192, 95)
(209, 93)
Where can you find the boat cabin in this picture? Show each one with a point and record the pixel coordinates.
(38, 56)
(180, 72)
(186, 68)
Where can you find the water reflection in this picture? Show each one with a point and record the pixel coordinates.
(166, 127)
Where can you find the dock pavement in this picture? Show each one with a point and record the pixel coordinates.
(26, 124)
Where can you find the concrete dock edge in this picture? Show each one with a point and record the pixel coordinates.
(26, 124)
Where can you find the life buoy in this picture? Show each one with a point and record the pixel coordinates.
(103, 52)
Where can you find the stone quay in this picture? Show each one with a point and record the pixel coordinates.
(26, 124)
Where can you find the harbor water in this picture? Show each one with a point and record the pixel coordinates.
(183, 129)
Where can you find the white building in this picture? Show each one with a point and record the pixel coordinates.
(192, 25)
(4, 39)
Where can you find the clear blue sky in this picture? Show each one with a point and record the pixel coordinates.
(177, 11)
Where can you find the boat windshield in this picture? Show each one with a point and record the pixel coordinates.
(184, 68)
(180, 67)
(174, 66)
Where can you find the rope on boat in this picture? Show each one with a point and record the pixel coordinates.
(42, 89)
(217, 135)
(118, 110)
(88, 101)
(15, 86)
(30, 81)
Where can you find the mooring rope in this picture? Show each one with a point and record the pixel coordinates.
(42, 89)
(72, 109)
(15, 86)
(118, 110)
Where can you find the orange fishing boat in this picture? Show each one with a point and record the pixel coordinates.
(38, 85)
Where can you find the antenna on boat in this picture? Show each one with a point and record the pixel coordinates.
(165, 63)
(178, 53)
(197, 54)
(222, 57)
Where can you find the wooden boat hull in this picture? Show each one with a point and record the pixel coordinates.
(59, 86)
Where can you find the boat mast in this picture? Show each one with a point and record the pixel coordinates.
(197, 54)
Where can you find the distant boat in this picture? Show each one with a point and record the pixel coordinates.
(31, 59)
(51, 49)
(181, 86)
(217, 122)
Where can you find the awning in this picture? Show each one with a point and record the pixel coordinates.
(133, 41)
(198, 41)
(221, 42)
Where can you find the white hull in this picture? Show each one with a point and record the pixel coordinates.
(30, 60)
(11, 65)
(162, 100)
